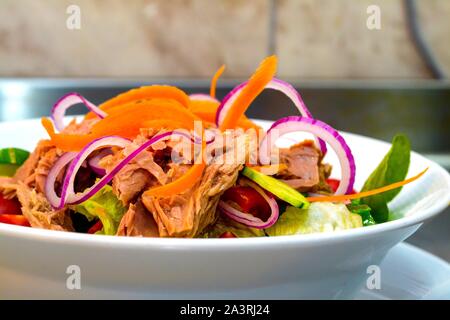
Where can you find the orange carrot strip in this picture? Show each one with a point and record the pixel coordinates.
(366, 193)
(254, 87)
(163, 124)
(129, 120)
(66, 142)
(126, 123)
(187, 181)
(245, 123)
(207, 110)
(212, 90)
(155, 104)
(147, 92)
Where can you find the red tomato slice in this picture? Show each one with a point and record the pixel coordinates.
(96, 227)
(334, 184)
(249, 200)
(9, 206)
(227, 234)
(16, 219)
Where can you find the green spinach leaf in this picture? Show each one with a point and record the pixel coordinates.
(393, 168)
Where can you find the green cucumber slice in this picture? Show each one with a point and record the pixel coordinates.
(276, 187)
(13, 156)
(7, 169)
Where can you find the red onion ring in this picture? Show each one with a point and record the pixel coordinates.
(202, 97)
(67, 101)
(275, 84)
(248, 219)
(68, 195)
(50, 193)
(94, 161)
(321, 130)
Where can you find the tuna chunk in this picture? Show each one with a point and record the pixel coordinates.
(305, 171)
(141, 173)
(138, 222)
(43, 168)
(187, 214)
(36, 208)
(27, 172)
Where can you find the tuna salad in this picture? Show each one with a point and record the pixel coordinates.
(157, 162)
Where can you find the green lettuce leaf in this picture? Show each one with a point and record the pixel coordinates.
(105, 206)
(319, 217)
(225, 224)
(363, 210)
(392, 168)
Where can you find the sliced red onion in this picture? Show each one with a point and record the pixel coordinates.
(249, 219)
(95, 160)
(54, 172)
(209, 136)
(321, 130)
(227, 102)
(68, 195)
(202, 97)
(67, 101)
(275, 84)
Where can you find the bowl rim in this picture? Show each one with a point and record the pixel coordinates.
(264, 243)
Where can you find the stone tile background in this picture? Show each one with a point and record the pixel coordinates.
(191, 38)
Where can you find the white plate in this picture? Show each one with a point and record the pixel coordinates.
(326, 265)
(408, 272)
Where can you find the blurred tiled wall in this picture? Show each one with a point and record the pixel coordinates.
(191, 38)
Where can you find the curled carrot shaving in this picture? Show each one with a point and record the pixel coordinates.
(206, 110)
(254, 87)
(185, 182)
(345, 197)
(65, 142)
(163, 124)
(212, 90)
(126, 122)
(145, 93)
(131, 118)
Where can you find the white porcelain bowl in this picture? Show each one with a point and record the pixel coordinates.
(33, 262)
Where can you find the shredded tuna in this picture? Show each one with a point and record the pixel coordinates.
(305, 171)
(141, 173)
(138, 222)
(187, 214)
(8, 187)
(43, 168)
(26, 173)
(28, 184)
(36, 208)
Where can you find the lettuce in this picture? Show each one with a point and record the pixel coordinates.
(105, 206)
(319, 217)
(225, 224)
